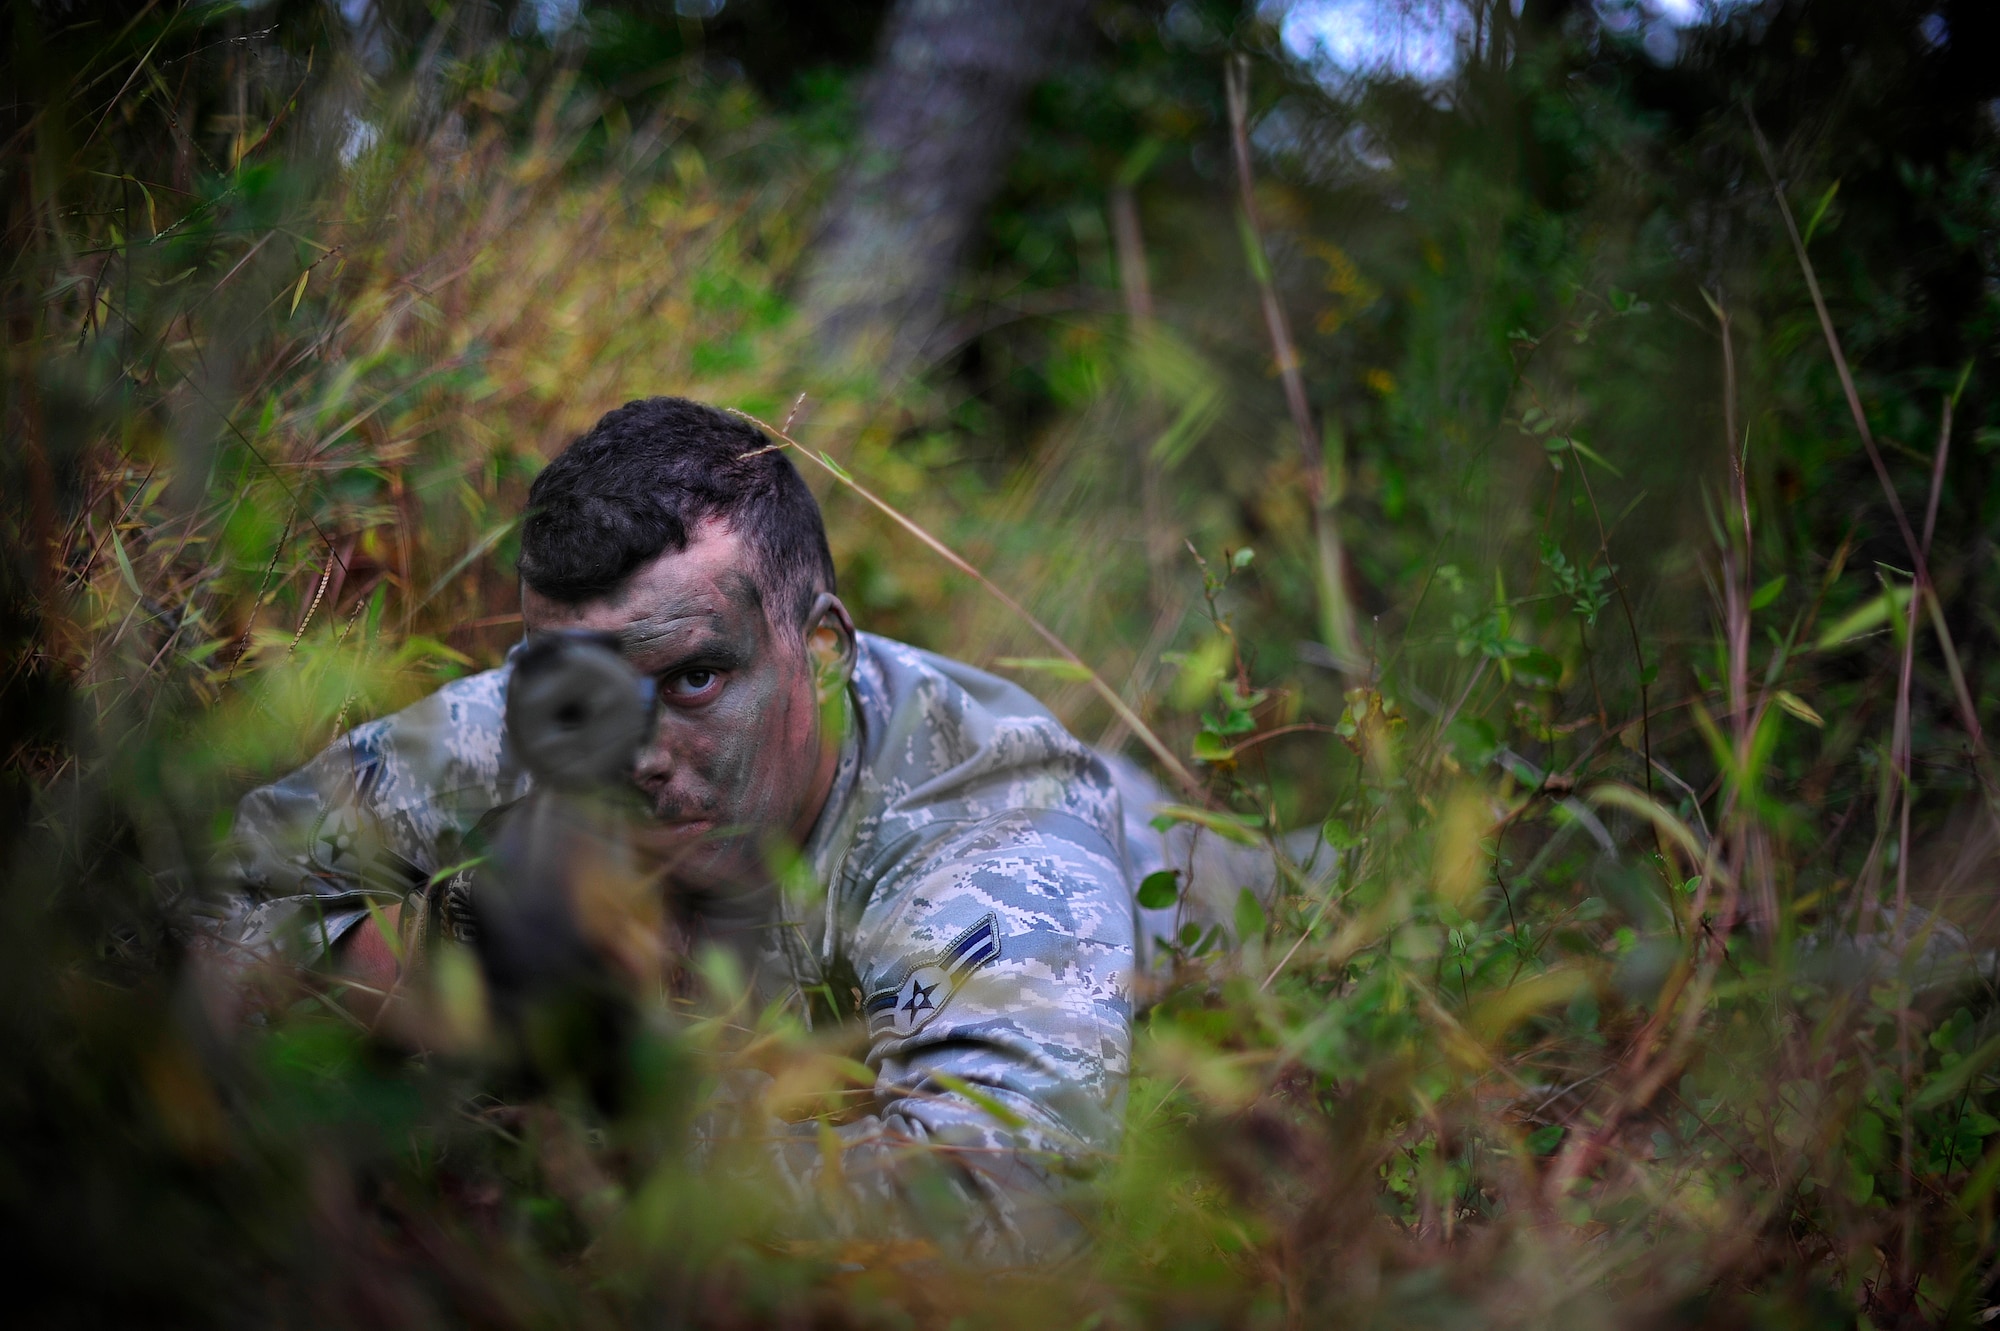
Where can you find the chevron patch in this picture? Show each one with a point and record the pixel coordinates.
(929, 985)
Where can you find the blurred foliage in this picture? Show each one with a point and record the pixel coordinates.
(1651, 980)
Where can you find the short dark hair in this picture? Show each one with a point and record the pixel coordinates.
(644, 477)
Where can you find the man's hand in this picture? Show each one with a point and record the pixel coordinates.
(368, 957)
(233, 982)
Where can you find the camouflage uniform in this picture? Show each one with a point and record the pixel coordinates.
(972, 894)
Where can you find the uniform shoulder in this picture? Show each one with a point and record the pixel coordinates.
(905, 672)
(445, 741)
(956, 709)
(947, 741)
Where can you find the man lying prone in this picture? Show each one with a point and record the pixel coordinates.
(971, 900)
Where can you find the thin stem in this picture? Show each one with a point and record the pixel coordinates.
(1916, 548)
(1839, 357)
(1336, 610)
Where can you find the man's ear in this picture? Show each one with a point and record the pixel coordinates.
(830, 643)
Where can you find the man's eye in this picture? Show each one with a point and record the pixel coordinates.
(692, 683)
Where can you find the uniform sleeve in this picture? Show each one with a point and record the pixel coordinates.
(371, 818)
(995, 973)
(308, 853)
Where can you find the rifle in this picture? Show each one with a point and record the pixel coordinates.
(568, 925)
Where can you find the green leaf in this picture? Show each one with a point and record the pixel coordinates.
(1628, 302)
(1871, 1138)
(1800, 708)
(1865, 618)
(417, 647)
(1250, 918)
(1160, 889)
(1253, 250)
(1198, 671)
(125, 564)
(1163, 367)
(1473, 741)
(464, 561)
(1947, 1084)
(1594, 456)
(1545, 1139)
(1339, 835)
(984, 1099)
(1762, 741)
(1234, 721)
(1819, 211)
(389, 932)
(1048, 665)
(1538, 668)
(826, 460)
(1229, 826)
(1140, 160)
(1210, 747)
(856, 1072)
(1242, 558)
(298, 293)
(1193, 422)
(1768, 593)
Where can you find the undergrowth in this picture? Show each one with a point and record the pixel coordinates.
(1642, 971)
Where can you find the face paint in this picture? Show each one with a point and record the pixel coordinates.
(736, 757)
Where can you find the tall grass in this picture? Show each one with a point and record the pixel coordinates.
(1642, 976)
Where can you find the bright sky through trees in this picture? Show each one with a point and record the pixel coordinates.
(1425, 40)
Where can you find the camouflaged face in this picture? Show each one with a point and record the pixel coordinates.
(971, 888)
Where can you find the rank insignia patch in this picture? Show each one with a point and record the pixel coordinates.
(929, 985)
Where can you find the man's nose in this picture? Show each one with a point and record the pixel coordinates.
(655, 765)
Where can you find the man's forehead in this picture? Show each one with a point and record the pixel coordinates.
(706, 585)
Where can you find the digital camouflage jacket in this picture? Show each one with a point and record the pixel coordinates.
(972, 890)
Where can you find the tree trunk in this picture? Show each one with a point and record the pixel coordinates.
(941, 117)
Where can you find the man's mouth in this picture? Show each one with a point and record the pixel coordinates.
(677, 844)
